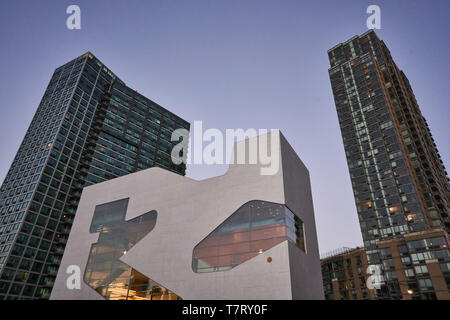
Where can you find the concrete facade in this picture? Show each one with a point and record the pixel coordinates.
(189, 210)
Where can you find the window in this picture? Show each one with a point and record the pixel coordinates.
(420, 270)
(254, 228)
(445, 267)
(425, 283)
(105, 273)
(409, 272)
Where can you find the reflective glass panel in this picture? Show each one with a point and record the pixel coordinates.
(254, 228)
(105, 273)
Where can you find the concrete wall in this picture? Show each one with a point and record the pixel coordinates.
(188, 211)
(298, 198)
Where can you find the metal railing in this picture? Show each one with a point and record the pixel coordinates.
(336, 252)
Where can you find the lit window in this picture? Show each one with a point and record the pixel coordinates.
(254, 228)
(105, 273)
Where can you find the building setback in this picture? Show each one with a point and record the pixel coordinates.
(344, 275)
(398, 178)
(417, 261)
(89, 127)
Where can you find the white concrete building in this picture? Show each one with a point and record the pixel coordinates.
(158, 235)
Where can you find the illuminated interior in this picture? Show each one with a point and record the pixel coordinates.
(254, 228)
(105, 273)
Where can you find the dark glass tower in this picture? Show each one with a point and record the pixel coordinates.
(89, 127)
(399, 180)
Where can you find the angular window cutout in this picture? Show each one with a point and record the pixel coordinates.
(254, 228)
(105, 273)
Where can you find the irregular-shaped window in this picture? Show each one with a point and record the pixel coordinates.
(105, 273)
(254, 228)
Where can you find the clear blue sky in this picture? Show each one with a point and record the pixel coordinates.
(231, 64)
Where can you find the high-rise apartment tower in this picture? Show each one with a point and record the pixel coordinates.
(398, 178)
(89, 127)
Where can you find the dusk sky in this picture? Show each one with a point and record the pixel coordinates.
(231, 64)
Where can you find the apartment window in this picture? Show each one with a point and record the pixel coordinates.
(425, 283)
(409, 272)
(420, 270)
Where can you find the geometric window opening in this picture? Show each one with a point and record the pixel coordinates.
(105, 273)
(254, 228)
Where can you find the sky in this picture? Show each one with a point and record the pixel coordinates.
(231, 64)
